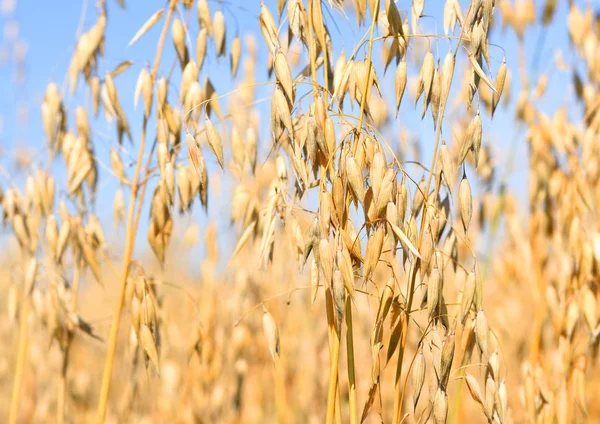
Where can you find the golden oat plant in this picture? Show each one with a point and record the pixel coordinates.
(340, 278)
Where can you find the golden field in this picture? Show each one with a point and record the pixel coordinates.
(287, 224)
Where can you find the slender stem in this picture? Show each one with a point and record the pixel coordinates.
(62, 382)
(350, 353)
(363, 101)
(338, 404)
(129, 239)
(334, 360)
(398, 396)
(62, 385)
(325, 59)
(334, 340)
(311, 50)
(21, 357)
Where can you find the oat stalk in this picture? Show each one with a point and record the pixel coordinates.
(21, 357)
(129, 239)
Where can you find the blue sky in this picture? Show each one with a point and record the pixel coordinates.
(49, 30)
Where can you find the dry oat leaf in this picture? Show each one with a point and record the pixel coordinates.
(405, 240)
(345, 263)
(352, 243)
(271, 333)
(84, 326)
(480, 73)
(314, 280)
(149, 345)
(372, 397)
(394, 340)
(394, 18)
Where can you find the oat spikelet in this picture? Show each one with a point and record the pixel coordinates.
(284, 76)
(440, 407)
(483, 332)
(235, 53)
(445, 167)
(355, 178)
(467, 296)
(446, 80)
(425, 77)
(178, 34)
(152, 20)
(418, 376)
(400, 83)
(204, 17)
(271, 333)
(149, 345)
(499, 85)
(219, 32)
(214, 140)
(201, 42)
(465, 202)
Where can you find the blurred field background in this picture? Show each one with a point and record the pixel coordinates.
(533, 243)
